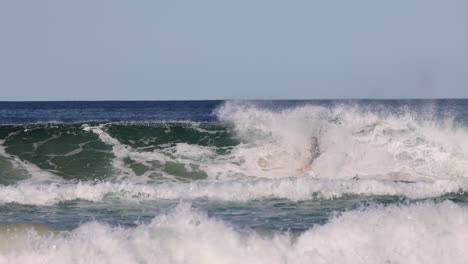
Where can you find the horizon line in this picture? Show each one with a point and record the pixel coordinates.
(231, 99)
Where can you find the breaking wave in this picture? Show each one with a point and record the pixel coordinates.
(418, 233)
(253, 151)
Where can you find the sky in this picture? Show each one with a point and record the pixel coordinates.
(242, 49)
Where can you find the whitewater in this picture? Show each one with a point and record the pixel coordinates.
(219, 182)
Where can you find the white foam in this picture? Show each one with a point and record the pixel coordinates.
(294, 189)
(420, 233)
(353, 140)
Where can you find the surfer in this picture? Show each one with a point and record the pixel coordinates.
(314, 154)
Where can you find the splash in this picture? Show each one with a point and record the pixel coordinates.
(420, 233)
(354, 140)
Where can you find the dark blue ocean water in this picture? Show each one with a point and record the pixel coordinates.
(75, 111)
(30, 112)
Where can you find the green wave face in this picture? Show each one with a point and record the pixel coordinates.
(72, 152)
(154, 136)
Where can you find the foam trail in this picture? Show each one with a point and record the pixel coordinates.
(188, 156)
(294, 189)
(420, 233)
(34, 173)
(181, 153)
(120, 151)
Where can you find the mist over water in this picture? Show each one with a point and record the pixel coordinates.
(235, 166)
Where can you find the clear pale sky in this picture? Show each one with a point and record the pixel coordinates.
(242, 49)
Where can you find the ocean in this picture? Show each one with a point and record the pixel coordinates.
(220, 182)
